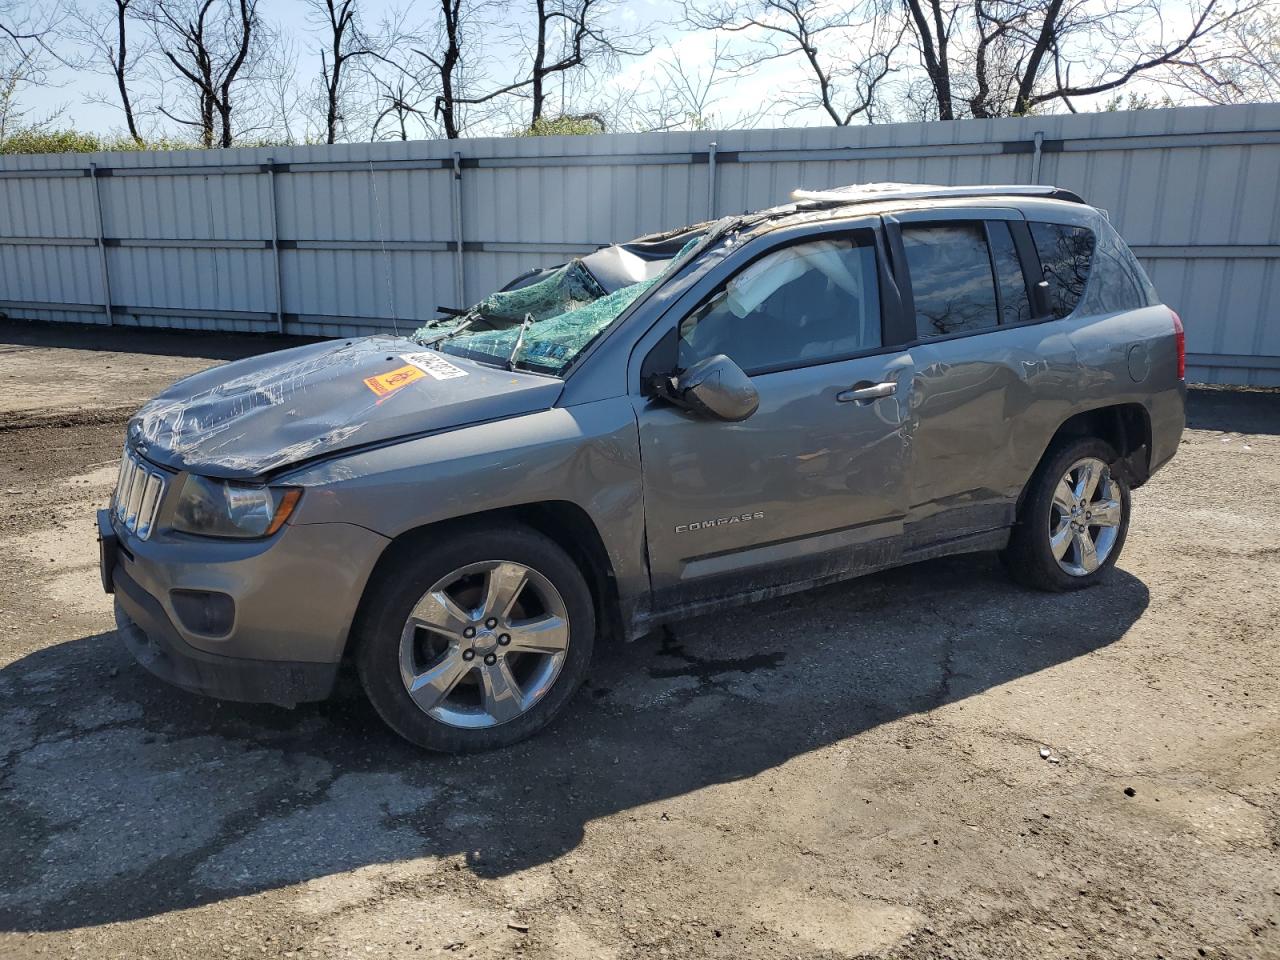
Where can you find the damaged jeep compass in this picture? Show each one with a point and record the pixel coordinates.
(862, 378)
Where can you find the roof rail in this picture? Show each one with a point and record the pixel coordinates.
(874, 192)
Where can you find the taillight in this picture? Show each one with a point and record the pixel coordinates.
(1180, 338)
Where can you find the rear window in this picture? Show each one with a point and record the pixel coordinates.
(1066, 255)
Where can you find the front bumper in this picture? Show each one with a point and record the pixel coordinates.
(150, 636)
(295, 596)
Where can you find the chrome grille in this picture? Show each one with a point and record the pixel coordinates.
(139, 490)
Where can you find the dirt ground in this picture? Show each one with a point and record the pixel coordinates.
(853, 772)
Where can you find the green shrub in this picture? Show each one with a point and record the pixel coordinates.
(31, 140)
(50, 141)
(563, 127)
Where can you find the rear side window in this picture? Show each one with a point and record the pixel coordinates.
(808, 303)
(1066, 255)
(951, 280)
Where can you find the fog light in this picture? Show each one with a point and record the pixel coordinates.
(204, 611)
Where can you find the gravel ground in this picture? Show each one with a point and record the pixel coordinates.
(852, 772)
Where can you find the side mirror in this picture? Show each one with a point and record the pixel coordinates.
(1040, 304)
(718, 389)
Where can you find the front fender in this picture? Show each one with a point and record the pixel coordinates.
(586, 454)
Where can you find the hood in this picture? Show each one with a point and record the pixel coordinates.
(254, 416)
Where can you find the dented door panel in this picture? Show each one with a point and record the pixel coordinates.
(984, 406)
(797, 492)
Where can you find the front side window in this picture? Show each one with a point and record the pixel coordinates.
(951, 278)
(803, 304)
(1066, 254)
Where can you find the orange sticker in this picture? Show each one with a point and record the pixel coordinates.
(387, 383)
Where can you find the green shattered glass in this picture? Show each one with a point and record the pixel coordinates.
(568, 308)
(555, 340)
(560, 291)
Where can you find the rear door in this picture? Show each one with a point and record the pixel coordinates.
(813, 485)
(982, 362)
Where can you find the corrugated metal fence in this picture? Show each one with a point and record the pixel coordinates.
(360, 237)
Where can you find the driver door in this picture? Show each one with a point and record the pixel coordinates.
(812, 486)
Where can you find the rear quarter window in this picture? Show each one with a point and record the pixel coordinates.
(1114, 286)
(1066, 256)
(1117, 281)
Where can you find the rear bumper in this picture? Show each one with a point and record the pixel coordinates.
(1168, 411)
(151, 637)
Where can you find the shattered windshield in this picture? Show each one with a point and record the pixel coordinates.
(544, 320)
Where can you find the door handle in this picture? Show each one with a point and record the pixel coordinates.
(864, 392)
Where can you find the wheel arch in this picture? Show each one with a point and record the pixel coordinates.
(1125, 426)
(563, 522)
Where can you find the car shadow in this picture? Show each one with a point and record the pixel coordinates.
(124, 798)
(154, 342)
(1234, 411)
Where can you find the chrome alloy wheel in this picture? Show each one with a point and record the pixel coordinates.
(1084, 520)
(484, 644)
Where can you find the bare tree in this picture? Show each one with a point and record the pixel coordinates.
(14, 72)
(569, 35)
(27, 33)
(401, 99)
(986, 58)
(115, 49)
(454, 31)
(847, 51)
(1241, 65)
(26, 28)
(681, 92)
(933, 22)
(567, 38)
(208, 44)
(346, 44)
(278, 103)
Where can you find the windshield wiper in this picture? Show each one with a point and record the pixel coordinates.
(448, 334)
(515, 348)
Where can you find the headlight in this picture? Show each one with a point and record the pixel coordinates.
(220, 508)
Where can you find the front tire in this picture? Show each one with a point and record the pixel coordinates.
(476, 642)
(1074, 518)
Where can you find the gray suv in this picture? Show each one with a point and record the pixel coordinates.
(859, 379)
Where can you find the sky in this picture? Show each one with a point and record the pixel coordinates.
(77, 93)
(754, 96)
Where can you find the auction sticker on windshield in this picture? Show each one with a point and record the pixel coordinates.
(433, 365)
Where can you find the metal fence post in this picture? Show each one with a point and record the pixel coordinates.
(711, 181)
(460, 296)
(275, 241)
(1035, 159)
(102, 245)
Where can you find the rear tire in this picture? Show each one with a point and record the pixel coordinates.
(477, 641)
(1074, 518)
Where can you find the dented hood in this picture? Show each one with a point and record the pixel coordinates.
(254, 416)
